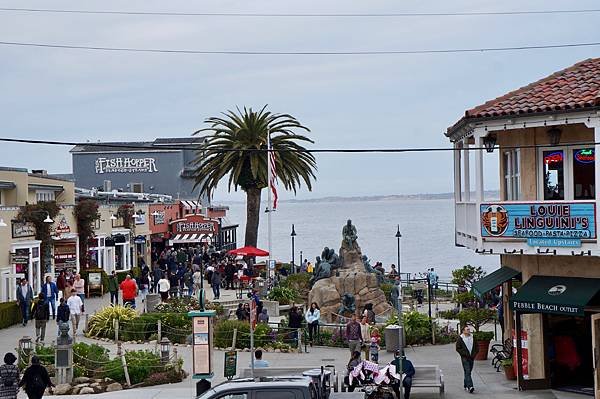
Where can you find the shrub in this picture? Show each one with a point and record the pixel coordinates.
(140, 364)
(88, 359)
(10, 314)
(101, 324)
(483, 335)
(263, 337)
(283, 295)
(223, 334)
(179, 305)
(85, 275)
(139, 328)
(467, 299)
(163, 377)
(298, 282)
(46, 354)
(467, 275)
(448, 314)
(176, 326)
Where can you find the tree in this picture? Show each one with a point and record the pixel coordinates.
(467, 275)
(232, 151)
(86, 213)
(36, 214)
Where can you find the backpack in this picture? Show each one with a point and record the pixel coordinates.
(40, 311)
(36, 383)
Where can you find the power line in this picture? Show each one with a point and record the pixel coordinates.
(132, 146)
(299, 15)
(258, 52)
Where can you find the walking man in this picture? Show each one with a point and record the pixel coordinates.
(50, 291)
(129, 288)
(24, 298)
(113, 288)
(41, 315)
(75, 309)
(354, 335)
(216, 284)
(466, 346)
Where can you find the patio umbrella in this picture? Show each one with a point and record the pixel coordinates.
(249, 251)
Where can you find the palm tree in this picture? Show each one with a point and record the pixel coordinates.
(230, 150)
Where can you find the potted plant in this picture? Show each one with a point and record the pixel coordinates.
(478, 317)
(509, 370)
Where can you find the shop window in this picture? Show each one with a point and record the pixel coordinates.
(44, 196)
(512, 175)
(554, 175)
(584, 174)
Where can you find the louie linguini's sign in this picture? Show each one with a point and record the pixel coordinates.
(548, 224)
(125, 165)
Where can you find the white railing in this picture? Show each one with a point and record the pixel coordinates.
(467, 219)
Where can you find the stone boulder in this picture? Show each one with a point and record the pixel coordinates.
(81, 380)
(86, 390)
(62, 389)
(115, 386)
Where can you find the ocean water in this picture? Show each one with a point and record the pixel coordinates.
(427, 228)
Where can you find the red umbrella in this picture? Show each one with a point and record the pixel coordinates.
(249, 251)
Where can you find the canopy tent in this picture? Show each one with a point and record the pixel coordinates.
(248, 251)
(556, 295)
(492, 280)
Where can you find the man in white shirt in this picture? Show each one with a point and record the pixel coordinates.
(467, 348)
(75, 306)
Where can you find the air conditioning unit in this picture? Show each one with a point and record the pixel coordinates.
(107, 186)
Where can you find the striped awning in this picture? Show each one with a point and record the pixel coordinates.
(192, 206)
(191, 238)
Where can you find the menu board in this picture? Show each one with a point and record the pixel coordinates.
(201, 329)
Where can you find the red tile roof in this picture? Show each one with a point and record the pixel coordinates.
(575, 87)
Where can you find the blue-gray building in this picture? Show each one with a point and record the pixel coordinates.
(162, 166)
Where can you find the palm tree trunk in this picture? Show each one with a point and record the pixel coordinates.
(252, 215)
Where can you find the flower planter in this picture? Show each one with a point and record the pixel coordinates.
(509, 372)
(482, 353)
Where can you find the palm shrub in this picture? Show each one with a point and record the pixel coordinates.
(235, 151)
(283, 295)
(101, 324)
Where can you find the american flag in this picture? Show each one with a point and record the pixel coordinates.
(273, 178)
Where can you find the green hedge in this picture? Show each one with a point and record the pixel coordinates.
(10, 314)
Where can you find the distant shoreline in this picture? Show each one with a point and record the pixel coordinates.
(423, 197)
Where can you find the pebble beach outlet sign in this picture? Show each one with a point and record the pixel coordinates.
(125, 165)
(547, 224)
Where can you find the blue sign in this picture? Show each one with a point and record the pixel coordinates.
(558, 223)
(554, 242)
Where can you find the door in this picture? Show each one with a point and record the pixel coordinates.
(596, 352)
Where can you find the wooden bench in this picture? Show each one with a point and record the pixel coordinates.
(501, 352)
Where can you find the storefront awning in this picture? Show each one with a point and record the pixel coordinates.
(191, 238)
(557, 295)
(7, 185)
(491, 281)
(192, 206)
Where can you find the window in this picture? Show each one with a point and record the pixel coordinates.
(554, 175)
(584, 174)
(44, 195)
(276, 394)
(512, 175)
(237, 395)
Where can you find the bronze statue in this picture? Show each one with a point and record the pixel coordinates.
(322, 270)
(349, 236)
(371, 269)
(348, 304)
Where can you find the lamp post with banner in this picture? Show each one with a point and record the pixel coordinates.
(400, 321)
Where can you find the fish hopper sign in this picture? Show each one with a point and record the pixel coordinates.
(556, 295)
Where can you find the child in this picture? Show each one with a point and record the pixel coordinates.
(63, 315)
(374, 350)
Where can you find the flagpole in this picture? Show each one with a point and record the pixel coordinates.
(269, 200)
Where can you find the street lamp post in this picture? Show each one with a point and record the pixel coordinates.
(400, 322)
(301, 260)
(293, 235)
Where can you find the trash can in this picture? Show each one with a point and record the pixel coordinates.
(392, 338)
(152, 301)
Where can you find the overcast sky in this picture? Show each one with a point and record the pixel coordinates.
(347, 101)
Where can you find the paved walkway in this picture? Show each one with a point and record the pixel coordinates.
(487, 381)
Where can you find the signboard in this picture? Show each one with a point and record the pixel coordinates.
(64, 254)
(140, 218)
(19, 259)
(22, 229)
(125, 165)
(159, 217)
(62, 227)
(272, 264)
(94, 280)
(139, 240)
(195, 224)
(230, 364)
(524, 355)
(202, 343)
(555, 224)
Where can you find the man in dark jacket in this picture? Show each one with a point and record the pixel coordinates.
(113, 288)
(466, 346)
(24, 298)
(215, 282)
(41, 314)
(408, 370)
(229, 273)
(63, 314)
(35, 379)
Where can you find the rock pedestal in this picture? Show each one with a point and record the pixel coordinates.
(350, 278)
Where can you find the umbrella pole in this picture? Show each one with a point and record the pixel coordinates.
(269, 201)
